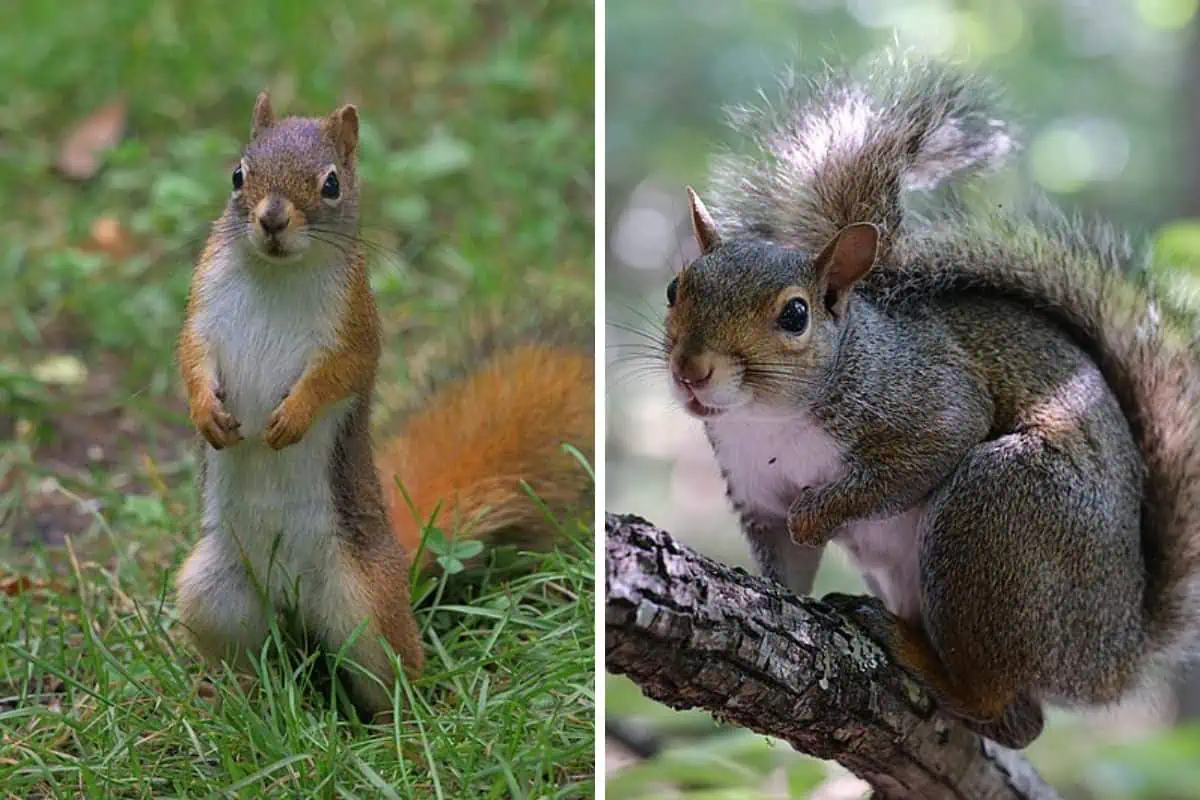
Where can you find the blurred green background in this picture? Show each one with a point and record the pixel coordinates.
(1108, 95)
(119, 125)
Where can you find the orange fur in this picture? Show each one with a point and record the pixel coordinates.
(477, 438)
(208, 414)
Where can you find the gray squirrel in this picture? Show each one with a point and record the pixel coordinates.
(994, 412)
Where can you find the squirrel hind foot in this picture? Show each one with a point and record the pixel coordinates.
(1018, 725)
(1011, 723)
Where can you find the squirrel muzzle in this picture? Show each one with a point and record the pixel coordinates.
(275, 222)
(705, 383)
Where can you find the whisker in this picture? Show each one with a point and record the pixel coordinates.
(626, 361)
(623, 379)
(346, 240)
(378, 248)
(636, 329)
(636, 348)
(645, 366)
(654, 322)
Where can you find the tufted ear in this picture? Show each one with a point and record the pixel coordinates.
(845, 260)
(703, 226)
(343, 129)
(264, 115)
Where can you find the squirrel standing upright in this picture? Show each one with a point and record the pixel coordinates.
(993, 413)
(278, 354)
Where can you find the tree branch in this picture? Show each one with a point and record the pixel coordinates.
(694, 633)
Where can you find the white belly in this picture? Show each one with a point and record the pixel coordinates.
(277, 505)
(768, 457)
(886, 553)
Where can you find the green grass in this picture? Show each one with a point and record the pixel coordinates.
(99, 699)
(477, 155)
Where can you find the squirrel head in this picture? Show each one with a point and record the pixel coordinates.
(296, 183)
(753, 323)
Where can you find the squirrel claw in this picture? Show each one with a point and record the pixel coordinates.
(866, 612)
(286, 426)
(1021, 723)
(218, 427)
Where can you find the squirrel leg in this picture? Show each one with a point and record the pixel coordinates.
(205, 399)
(329, 378)
(370, 585)
(218, 603)
(1030, 585)
(778, 557)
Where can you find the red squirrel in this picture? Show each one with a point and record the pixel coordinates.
(278, 354)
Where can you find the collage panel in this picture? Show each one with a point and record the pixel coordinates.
(297, 389)
(901, 426)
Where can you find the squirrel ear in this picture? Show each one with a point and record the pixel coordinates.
(847, 257)
(343, 127)
(264, 115)
(702, 223)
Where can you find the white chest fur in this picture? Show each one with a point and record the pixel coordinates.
(768, 456)
(262, 327)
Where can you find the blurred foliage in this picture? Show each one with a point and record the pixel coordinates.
(1094, 82)
(477, 152)
(476, 149)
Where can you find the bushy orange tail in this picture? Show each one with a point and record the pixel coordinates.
(474, 440)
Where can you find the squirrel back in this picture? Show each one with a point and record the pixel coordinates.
(825, 188)
(493, 414)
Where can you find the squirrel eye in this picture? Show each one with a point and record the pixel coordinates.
(331, 188)
(672, 287)
(794, 316)
(239, 178)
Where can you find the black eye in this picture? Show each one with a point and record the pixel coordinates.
(239, 178)
(331, 189)
(794, 316)
(672, 287)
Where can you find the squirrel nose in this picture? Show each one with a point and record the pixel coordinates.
(273, 223)
(694, 374)
(272, 212)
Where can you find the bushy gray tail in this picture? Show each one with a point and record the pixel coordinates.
(1093, 283)
(839, 151)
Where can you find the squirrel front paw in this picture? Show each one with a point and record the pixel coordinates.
(287, 424)
(805, 525)
(218, 427)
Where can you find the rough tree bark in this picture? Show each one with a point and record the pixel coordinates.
(693, 633)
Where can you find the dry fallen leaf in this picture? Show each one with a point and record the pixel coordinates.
(109, 236)
(61, 369)
(79, 154)
(14, 585)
